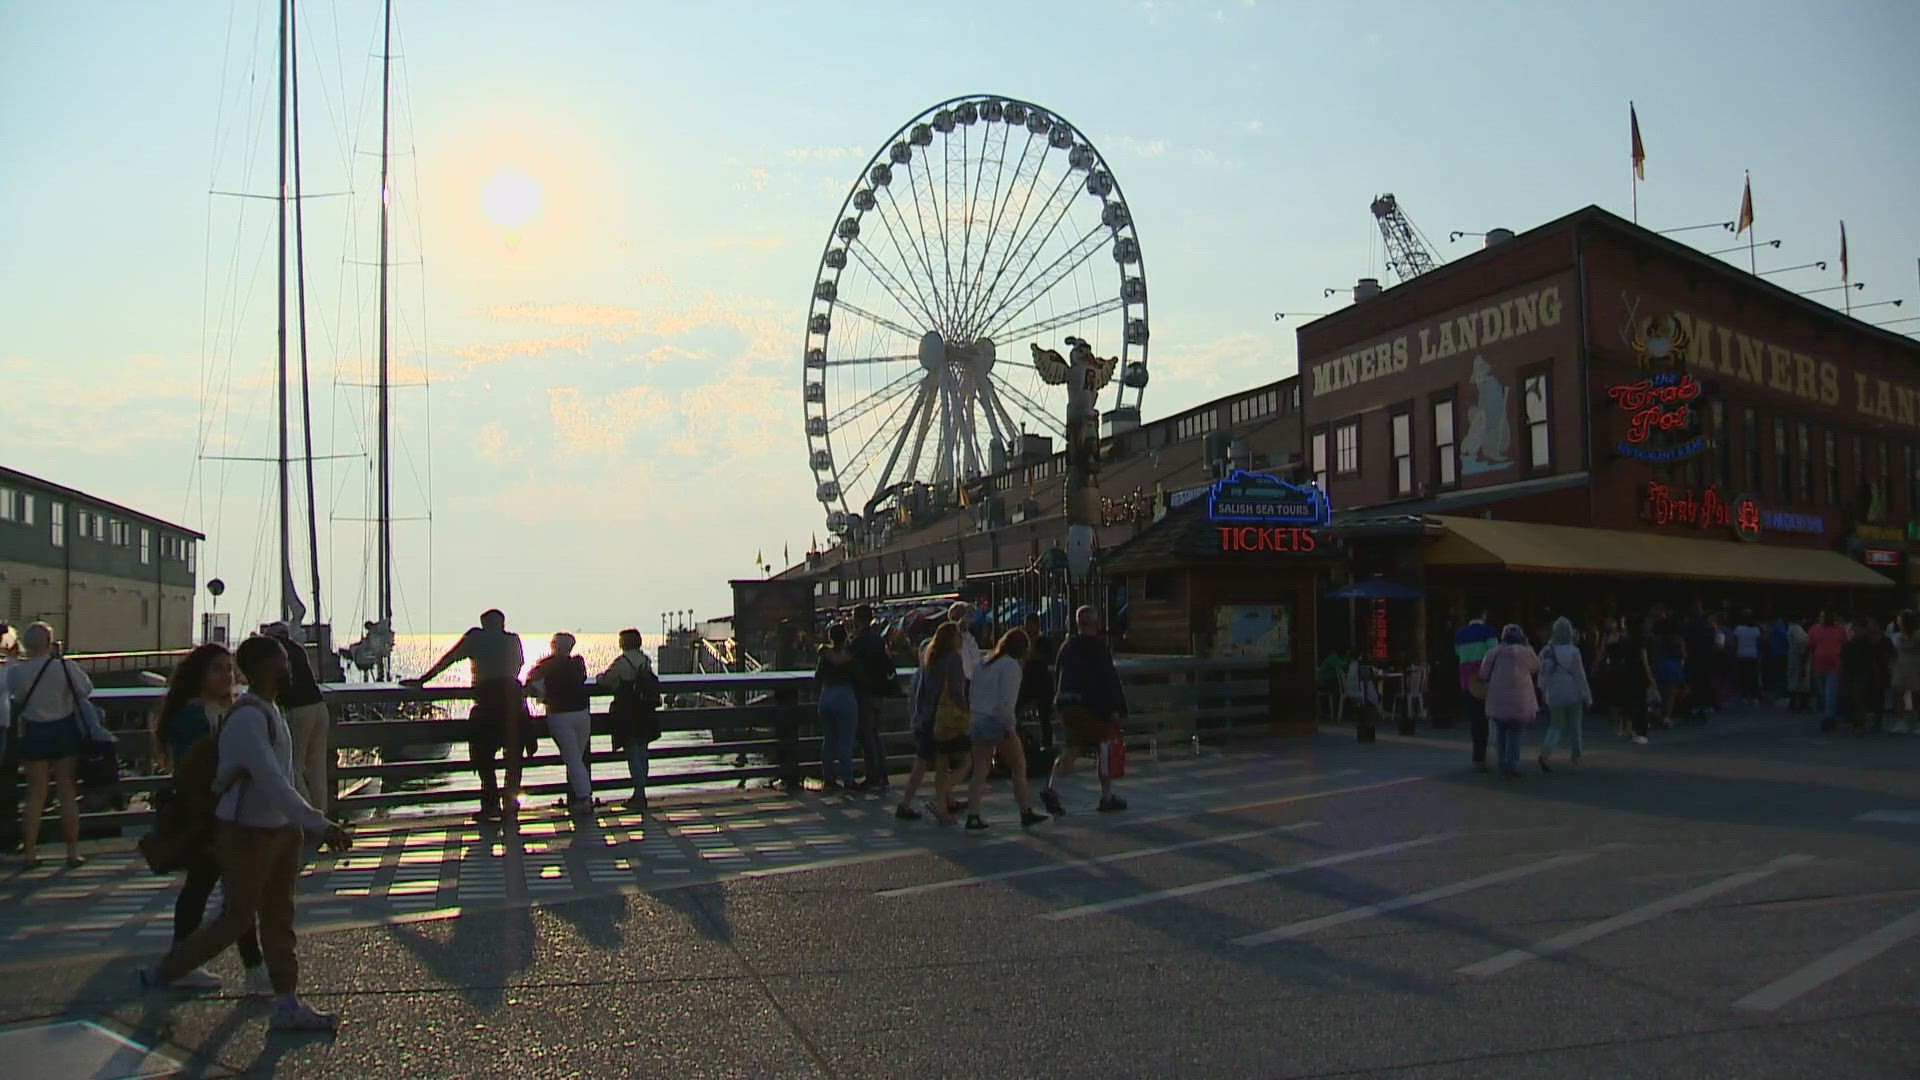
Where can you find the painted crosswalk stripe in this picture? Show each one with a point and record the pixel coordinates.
(1140, 899)
(1645, 913)
(1442, 892)
(1833, 965)
(1099, 860)
(1895, 817)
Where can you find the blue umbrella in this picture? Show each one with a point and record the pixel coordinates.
(1376, 589)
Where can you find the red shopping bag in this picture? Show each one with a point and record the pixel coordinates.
(1113, 756)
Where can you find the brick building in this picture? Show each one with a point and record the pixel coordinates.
(108, 579)
(1589, 417)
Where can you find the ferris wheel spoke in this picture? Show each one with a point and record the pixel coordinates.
(995, 407)
(966, 216)
(861, 456)
(905, 433)
(932, 393)
(1000, 212)
(1032, 408)
(898, 291)
(993, 200)
(907, 261)
(872, 401)
(942, 201)
(1035, 329)
(877, 320)
(918, 240)
(1042, 283)
(1020, 242)
(858, 360)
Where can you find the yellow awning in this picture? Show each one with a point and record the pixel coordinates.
(1565, 549)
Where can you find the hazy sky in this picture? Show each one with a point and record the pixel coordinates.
(614, 424)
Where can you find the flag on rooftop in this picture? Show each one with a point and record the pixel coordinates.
(1746, 209)
(1843, 253)
(1639, 148)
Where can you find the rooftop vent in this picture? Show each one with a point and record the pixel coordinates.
(1498, 236)
(1366, 289)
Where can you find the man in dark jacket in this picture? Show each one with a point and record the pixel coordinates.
(873, 680)
(307, 718)
(1090, 702)
(1036, 679)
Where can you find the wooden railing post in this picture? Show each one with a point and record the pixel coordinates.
(786, 729)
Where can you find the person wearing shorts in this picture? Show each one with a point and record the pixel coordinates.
(1088, 700)
(993, 728)
(499, 720)
(940, 675)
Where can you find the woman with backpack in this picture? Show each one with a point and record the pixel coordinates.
(633, 714)
(198, 697)
(48, 726)
(1512, 703)
(1563, 680)
(561, 678)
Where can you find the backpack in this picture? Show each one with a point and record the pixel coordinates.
(183, 820)
(633, 714)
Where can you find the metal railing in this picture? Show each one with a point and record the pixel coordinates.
(767, 730)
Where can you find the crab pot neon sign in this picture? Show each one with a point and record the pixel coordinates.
(1658, 407)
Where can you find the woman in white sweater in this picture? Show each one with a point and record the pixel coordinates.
(994, 694)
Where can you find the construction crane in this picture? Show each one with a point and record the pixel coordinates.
(1408, 254)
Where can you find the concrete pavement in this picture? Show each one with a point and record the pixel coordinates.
(1742, 905)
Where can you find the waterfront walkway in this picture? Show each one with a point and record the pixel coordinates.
(1740, 903)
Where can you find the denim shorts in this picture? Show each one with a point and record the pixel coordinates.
(49, 740)
(929, 751)
(987, 729)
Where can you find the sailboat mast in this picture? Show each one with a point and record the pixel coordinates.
(384, 479)
(300, 291)
(286, 552)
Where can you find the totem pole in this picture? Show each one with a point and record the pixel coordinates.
(1084, 375)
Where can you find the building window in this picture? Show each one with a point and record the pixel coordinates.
(190, 553)
(1446, 452)
(1913, 481)
(1722, 445)
(1539, 434)
(146, 545)
(1317, 458)
(1402, 426)
(57, 523)
(146, 612)
(1803, 490)
(1782, 487)
(26, 508)
(1346, 448)
(1750, 448)
(1883, 493)
(8, 498)
(1830, 448)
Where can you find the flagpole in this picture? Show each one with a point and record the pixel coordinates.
(1753, 263)
(1633, 163)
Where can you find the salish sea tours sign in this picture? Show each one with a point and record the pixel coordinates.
(1255, 512)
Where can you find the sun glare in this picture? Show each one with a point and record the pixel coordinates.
(511, 199)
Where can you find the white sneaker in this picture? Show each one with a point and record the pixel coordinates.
(258, 981)
(197, 979)
(1640, 740)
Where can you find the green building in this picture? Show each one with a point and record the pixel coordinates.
(107, 578)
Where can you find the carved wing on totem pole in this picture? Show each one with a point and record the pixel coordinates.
(1101, 369)
(1053, 367)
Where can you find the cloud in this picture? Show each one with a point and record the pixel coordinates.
(750, 243)
(1252, 127)
(499, 351)
(586, 426)
(492, 445)
(806, 154)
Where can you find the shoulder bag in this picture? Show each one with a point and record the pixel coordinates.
(950, 718)
(98, 763)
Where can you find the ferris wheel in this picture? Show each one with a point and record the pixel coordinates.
(984, 226)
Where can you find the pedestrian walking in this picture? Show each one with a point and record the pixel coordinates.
(1090, 702)
(1512, 702)
(1825, 639)
(834, 671)
(634, 713)
(1866, 671)
(1036, 679)
(1471, 644)
(994, 729)
(263, 826)
(874, 678)
(1906, 676)
(1670, 670)
(1746, 653)
(1799, 666)
(559, 679)
(1563, 682)
(305, 708)
(499, 721)
(938, 701)
(197, 699)
(48, 727)
(960, 614)
(1629, 680)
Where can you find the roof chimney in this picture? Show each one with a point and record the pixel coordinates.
(1498, 236)
(1366, 289)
